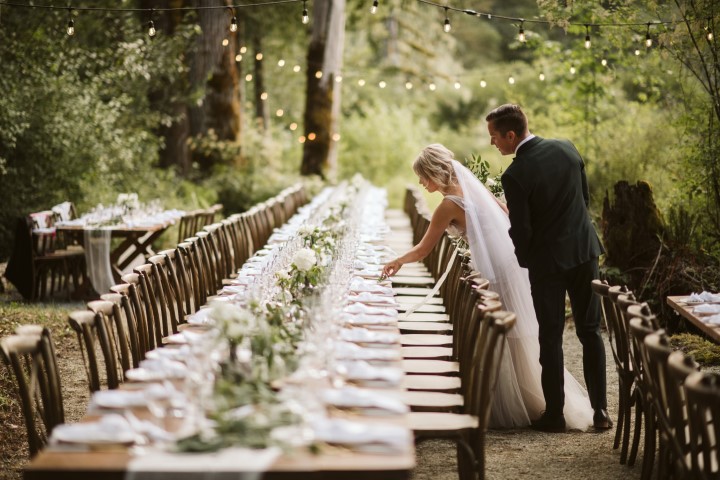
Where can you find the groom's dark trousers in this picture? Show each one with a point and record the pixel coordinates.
(547, 196)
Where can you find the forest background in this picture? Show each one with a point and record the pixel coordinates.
(199, 114)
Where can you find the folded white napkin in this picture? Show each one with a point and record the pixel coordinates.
(353, 351)
(703, 297)
(707, 309)
(362, 335)
(110, 429)
(362, 371)
(373, 298)
(201, 317)
(352, 397)
(362, 285)
(360, 319)
(180, 354)
(712, 320)
(390, 438)
(361, 309)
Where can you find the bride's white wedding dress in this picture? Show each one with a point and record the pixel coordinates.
(518, 394)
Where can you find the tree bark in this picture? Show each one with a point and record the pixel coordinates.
(325, 56)
(261, 110)
(212, 68)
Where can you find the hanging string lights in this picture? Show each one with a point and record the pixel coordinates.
(305, 16)
(233, 21)
(446, 25)
(588, 44)
(71, 23)
(648, 38)
(521, 32)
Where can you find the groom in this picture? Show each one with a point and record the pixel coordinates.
(547, 195)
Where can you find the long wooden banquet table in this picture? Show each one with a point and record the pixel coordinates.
(702, 321)
(328, 461)
(133, 240)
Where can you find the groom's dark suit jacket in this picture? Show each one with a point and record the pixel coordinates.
(547, 195)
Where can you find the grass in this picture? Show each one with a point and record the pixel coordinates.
(706, 353)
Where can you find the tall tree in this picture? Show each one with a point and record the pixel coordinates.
(322, 103)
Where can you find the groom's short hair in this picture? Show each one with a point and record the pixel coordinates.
(508, 117)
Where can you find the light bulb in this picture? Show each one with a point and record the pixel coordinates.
(408, 85)
(311, 136)
(71, 27)
(338, 79)
(361, 82)
(318, 74)
(233, 24)
(457, 85)
(541, 77)
(521, 33)
(281, 63)
(374, 7)
(305, 18)
(572, 70)
(446, 26)
(259, 56)
(648, 39)
(238, 58)
(296, 68)
(432, 87)
(336, 137)
(603, 62)
(483, 84)
(382, 84)
(587, 36)
(293, 126)
(263, 96)
(511, 80)
(710, 36)
(280, 112)
(243, 49)
(637, 52)
(151, 28)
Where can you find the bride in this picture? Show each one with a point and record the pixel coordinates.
(470, 210)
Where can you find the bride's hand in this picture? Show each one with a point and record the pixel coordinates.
(391, 268)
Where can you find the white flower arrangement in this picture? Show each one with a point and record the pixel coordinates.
(129, 201)
(305, 259)
(233, 321)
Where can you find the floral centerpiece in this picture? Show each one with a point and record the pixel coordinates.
(128, 202)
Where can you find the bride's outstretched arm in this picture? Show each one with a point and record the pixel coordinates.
(443, 215)
(503, 207)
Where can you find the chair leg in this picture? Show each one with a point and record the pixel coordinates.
(650, 442)
(637, 404)
(623, 402)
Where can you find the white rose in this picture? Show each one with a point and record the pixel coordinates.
(283, 274)
(304, 259)
(305, 230)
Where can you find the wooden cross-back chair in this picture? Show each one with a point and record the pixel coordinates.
(702, 390)
(135, 312)
(92, 332)
(125, 314)
(468, 429)
(674, 456)
(679, 368)
(31, 359)
(639, 329)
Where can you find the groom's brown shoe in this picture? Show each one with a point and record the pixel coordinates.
(601, 420)
(549, 423)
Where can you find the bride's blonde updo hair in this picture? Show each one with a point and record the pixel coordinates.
(435, 163)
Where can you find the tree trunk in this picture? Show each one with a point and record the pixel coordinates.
(261, 110)
(631, 229)
(325, 56)
(212, 68)
(175, 152)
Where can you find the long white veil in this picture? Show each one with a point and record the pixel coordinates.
(518, 396)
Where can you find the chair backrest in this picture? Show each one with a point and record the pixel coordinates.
(91, 330)
(702, 390)
(132, 289)
(639, 329)
(32, 362)
(669, 409)
(116, 328)
(172, 294)
(486, 364)
(153, 295)
(121, 297)
(679, 367)
(188, 224)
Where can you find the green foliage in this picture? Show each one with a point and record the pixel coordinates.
(704, 352)
(481, 169)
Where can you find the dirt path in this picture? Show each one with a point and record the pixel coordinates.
(524, 453)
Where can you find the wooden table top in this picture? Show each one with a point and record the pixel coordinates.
(680, 306)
